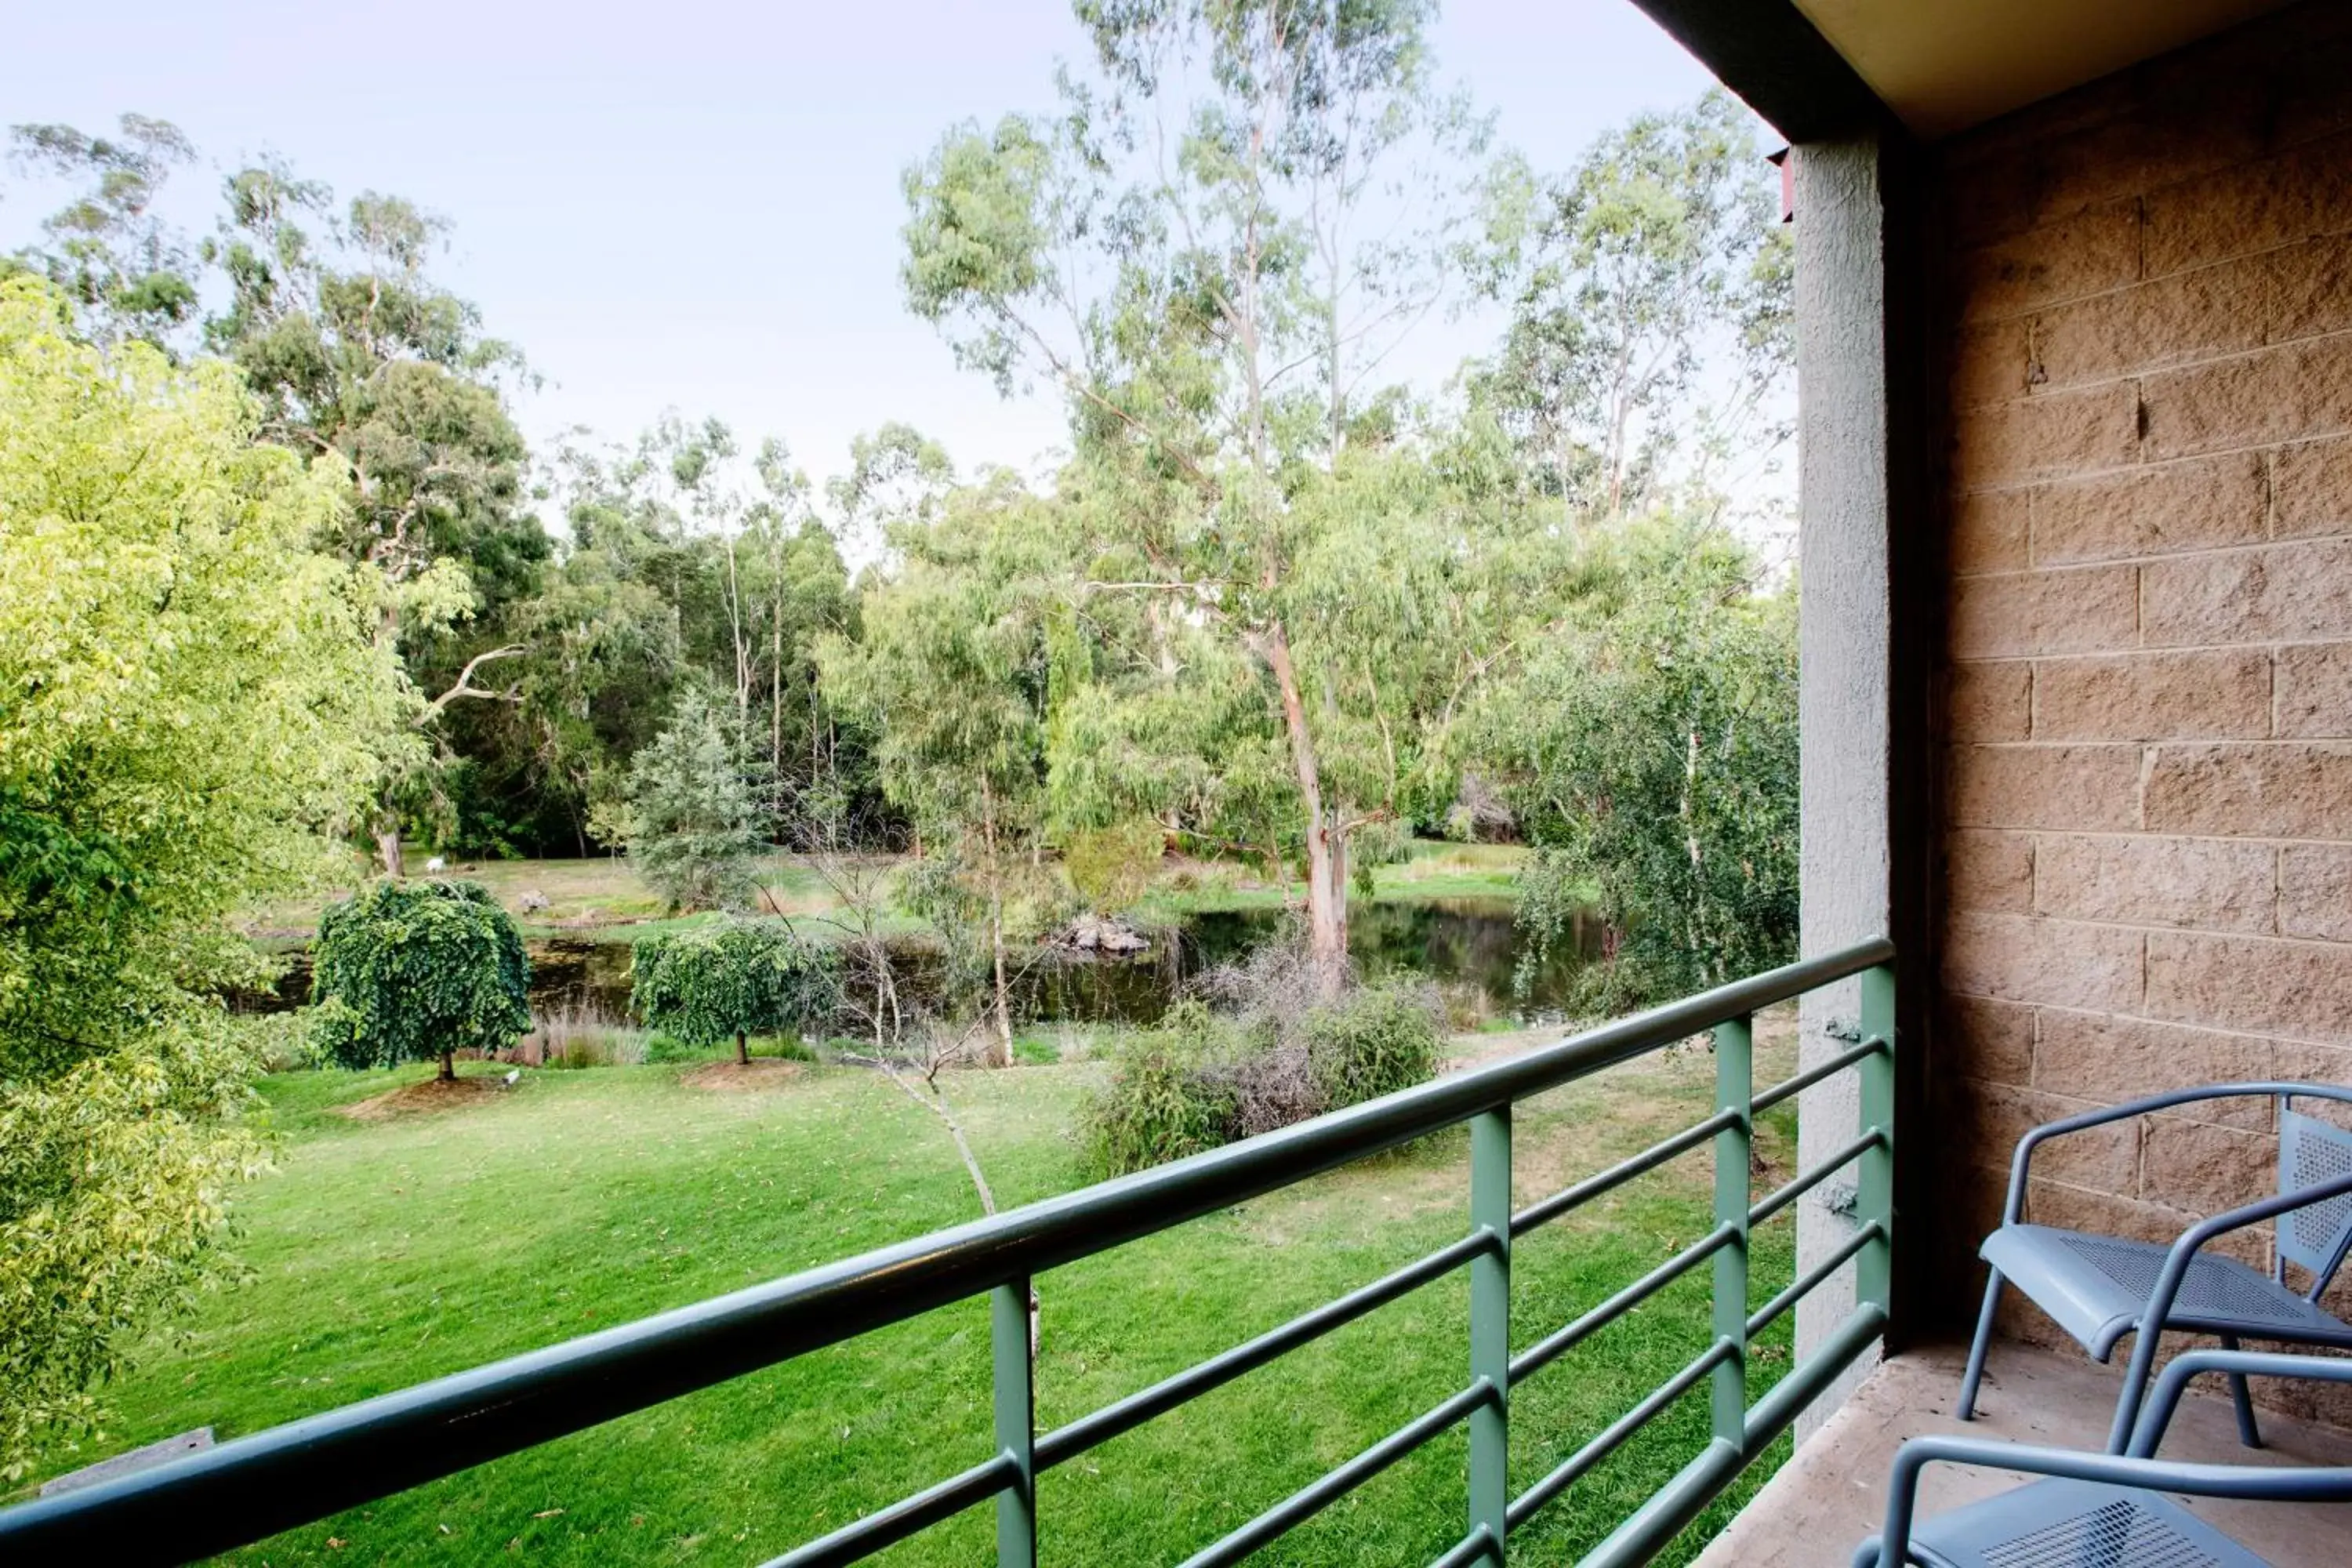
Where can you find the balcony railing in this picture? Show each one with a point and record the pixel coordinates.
(255, 1486)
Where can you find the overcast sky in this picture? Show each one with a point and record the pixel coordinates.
(695, 206)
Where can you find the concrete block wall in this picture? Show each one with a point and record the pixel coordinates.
(2146, 689)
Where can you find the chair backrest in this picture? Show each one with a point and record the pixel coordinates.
(2310, 1152)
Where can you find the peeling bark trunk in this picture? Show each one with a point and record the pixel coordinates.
(996, 925)
(387, 849)
(1326, 846)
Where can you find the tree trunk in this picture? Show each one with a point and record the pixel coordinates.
(387, 849)
(996, 924)
(448, 1067)
(742, 1050)
(1327, 844)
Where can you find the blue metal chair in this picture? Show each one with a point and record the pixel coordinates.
(2101, 1287)
(2099, 1511)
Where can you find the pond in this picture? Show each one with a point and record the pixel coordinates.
(1469, 946)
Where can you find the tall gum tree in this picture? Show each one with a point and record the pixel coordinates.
(1208, 253)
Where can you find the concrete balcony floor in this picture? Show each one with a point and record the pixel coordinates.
(1833, 1492)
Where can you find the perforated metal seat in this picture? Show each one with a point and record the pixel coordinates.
(2075, 1524)
(2101, 1287)
(2096, 1287)
(2100, 1510)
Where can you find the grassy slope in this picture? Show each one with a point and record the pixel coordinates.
(386, 1253)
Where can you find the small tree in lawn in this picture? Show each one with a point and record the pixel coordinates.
(409, 971)
(693, 816)
(738, 977)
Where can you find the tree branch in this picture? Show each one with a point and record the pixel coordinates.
(466, 687)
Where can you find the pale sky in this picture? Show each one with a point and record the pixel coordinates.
(693, 205)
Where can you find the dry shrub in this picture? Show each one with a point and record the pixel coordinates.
(1276, 1049)
(583, 1034)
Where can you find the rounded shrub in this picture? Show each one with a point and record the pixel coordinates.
(1379, 1039)
(409, 971)
(1169, 1095)
(733, 978)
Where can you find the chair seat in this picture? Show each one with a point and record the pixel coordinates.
(2075, 1524)
(2096, 1287)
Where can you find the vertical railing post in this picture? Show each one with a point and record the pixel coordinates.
(1490, 1326)
(1016, 1424)
(1875, 1196)
(1735, 1090)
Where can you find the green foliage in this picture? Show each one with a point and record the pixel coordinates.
(193, 702)
(1655, 753)
(1165, 1099)
(693, 823)
(729, 978)
(1111, 868)
(1650, 310)
(410, 971)
(126, 274)
(1374, 1042)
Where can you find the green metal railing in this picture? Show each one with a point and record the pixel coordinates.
(257, 1485)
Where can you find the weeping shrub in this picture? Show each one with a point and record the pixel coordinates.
(734, 977)
(409, 971)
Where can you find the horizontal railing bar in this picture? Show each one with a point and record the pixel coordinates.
(1789, 1396)
(258, 1485)
(1334, 1484)
(1478, 1546)
(853, 1543)
(1543, 1352)
(1618, 1174)
(1126, 1414)
(1814, 1074)
(1799, 1186)
(1670, 1507)
(1613, 1435)
(1813, 1278)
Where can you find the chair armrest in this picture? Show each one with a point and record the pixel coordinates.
(2184, 1251)
(2192, 1365)
(2261, 1483)
(2014, 1207)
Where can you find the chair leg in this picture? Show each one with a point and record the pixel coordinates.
(1976, 1349)
(2248, 1433)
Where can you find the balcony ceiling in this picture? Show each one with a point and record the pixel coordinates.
(1946, 65)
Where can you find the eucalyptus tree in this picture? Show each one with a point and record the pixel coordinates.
(1649, 289)
(951, 678)
(1651, 748)
(129, 274)
(1208, 253)
(685, 558)
(361, 358)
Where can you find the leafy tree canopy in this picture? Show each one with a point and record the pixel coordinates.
(194, 702)
(1652, 748)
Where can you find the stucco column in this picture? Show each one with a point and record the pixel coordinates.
(1845, 706)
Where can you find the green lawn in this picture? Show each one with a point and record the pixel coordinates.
(384, 1253)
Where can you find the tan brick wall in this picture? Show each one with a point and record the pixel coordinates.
(2146, 696)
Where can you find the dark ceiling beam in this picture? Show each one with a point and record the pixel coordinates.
(1771, 56)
